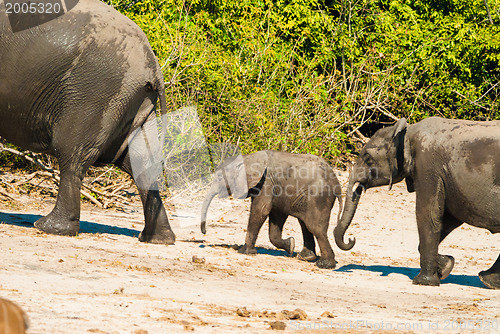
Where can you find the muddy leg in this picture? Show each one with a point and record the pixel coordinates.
(157, 227)
(430, 214)
(276, 222)
(259, 211)
(64, 219)
(308, 253)
(317, 224)
(446, 262)
(491, 277)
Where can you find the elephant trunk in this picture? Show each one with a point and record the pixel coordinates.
(206, 203)
(354, 190)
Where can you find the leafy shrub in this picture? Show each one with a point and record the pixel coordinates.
(310, 75)
(317, 76)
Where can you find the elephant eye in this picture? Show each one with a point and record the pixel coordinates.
(368, 159)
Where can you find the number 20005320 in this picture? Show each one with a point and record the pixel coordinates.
(33, 8)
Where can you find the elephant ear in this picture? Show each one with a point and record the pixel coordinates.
(256, 165)
(400, 126)
(235, 177)
(396, 151)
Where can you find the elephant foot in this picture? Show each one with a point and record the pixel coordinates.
(290, 246)
(490, 279)
(167, 237)
(326, 263)
(247, 250)
(306, 255)
(421, 279)
(445, 266)
(52, 225)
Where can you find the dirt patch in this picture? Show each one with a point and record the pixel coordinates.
(106, 281)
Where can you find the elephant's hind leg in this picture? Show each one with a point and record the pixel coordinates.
(447, 262)
(317, 224)
(308, 252)
(64, 219)
(276, 222)
(491, 277)
(157, 227)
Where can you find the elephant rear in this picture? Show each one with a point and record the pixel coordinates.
(85, 73)
(77, 87)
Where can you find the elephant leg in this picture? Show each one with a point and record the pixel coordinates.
(446, 262)
(276, 222)
(491, 277)
(157, 227)
(317, 224)
(259, 211)
(430, 213)
(308, 253)
(64, 219)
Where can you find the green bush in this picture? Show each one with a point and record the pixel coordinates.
(315, 75)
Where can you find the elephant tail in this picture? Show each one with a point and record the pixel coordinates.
(163, 99)
(158, 84)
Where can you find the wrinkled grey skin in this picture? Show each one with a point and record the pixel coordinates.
(281, 184)
(76, 87)
(454, 168)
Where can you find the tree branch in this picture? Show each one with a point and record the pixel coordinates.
(54, 175)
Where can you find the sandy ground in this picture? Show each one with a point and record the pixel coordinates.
(106, 281)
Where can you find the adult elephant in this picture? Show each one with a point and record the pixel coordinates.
(281, 184)
(454, 168)
(76, 87)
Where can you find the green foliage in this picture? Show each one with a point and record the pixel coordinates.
(13, 161)
(316, 75)
(307, 75)
(10, 160)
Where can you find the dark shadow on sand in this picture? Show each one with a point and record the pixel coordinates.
(260, 250)
(465, 280)
(27, 220)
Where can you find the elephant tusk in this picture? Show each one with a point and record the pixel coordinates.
(356, 185)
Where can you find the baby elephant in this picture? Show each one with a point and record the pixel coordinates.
(13, 320)
(281, 184)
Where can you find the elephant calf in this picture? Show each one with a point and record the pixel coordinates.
(454, 168)
(281, 184)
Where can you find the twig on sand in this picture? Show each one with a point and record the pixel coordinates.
(101, 198)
